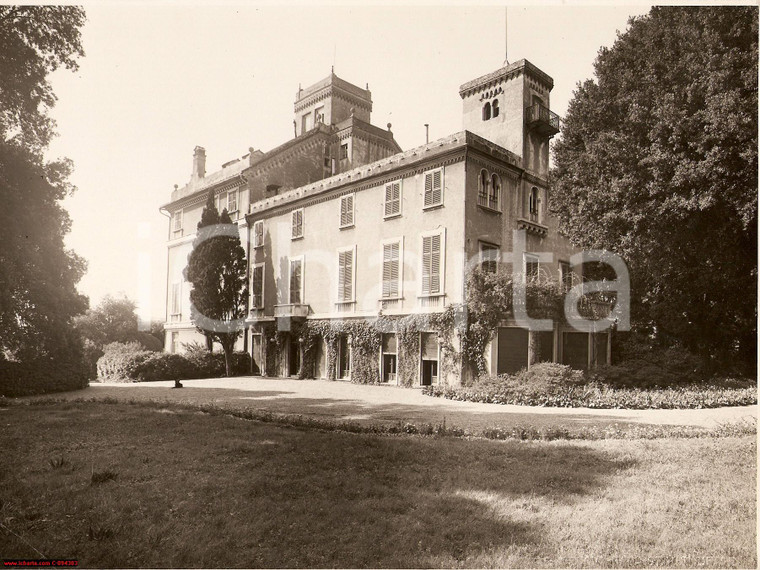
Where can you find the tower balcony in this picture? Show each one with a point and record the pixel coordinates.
(542, 120)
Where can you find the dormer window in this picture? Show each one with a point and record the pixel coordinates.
(486, 111)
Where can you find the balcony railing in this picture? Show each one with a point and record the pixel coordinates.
(542, 119)
(291, 310)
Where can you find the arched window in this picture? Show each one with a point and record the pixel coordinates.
(493, 196)
(533, 204)
(483, 188)
(495, 108)
(486, 111)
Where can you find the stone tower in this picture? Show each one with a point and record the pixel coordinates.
(330, 101)
(511, 108)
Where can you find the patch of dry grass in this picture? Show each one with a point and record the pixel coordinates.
(195, 490)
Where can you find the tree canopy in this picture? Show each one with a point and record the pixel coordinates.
(38, 274)
(658, 163)
(217, 271)
(34, 42)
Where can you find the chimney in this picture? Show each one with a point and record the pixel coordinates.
(199, 162)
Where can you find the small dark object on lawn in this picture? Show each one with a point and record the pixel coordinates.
(177, 384)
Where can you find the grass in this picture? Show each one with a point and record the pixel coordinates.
(203, 490)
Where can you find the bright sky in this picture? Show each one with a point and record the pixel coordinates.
(159, 79)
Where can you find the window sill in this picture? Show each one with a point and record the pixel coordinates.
(348, 227)
(296, 238)
(392, 216)
(432, 207)
(489, 209)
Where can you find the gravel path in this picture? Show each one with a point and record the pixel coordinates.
(390, 404)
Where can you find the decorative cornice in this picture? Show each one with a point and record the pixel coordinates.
(505, 74)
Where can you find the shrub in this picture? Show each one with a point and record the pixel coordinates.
(42, 375)
(120, 360)
(653, 368)
(163, 366)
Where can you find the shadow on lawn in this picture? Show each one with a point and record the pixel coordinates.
(434, 412)
(224, 493)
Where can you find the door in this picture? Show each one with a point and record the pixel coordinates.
(389, 359)
(344, 358)
(294, 357)
(257, 364)
(512, 350)
(429, 355)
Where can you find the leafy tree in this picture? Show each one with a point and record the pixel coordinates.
(658, 163)
(38, 275)
(34, 42)
(217, 271)
(113, 320)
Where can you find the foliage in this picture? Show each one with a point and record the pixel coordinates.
(120, 361)
(34, 42)
(217, 271)
(557, 385)
(654, 368)
(129, 362)
(658, 163)
(38, 275)
(43, 375)
(113, 320)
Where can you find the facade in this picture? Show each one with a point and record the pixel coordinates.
(342, 226)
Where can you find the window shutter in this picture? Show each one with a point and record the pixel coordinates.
(257, 286)
(295, 281)
(347, 210)
(232, 201)
(427, 243)
(390, 270)
(175, 299)
(297, 223)
(258, 234)
(392, 198)
(177, 220)
(433, 188)
(345, 275)
(435, 264)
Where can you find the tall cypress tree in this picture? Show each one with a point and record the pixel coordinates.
(217, 270)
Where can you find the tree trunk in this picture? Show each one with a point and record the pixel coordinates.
(228, 360)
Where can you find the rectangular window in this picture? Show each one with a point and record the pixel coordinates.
(431, 264)
(433, 188)
(391, 270)
(296, 227)
(175, 299)
(489, 257)
(177, 221)
(296, 281)
(306, 123)
(319, 115)
(392, 199)
(530, 263)
(346, 275)
(174, 341)
(347, 211)
(344, 150)
(232, 205)
(258, 233)
(257, 286)
(565, 276)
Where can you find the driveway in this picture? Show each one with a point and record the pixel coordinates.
(344, 401)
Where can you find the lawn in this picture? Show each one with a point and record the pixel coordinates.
(120, 485)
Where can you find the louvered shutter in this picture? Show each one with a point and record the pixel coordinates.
(295, 282)
(257, 286)
(232, 201)
(435, 264)
(433, 188)
(390, 270)
(258, 234)
(175, 299)
(392, 198)
(346, 211)
(297, 224)
(427, 243)
(345, 275)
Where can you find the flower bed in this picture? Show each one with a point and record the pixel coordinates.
(555, 385)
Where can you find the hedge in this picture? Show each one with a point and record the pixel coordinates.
(556, 385)
(130, 363)
(42, 376)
